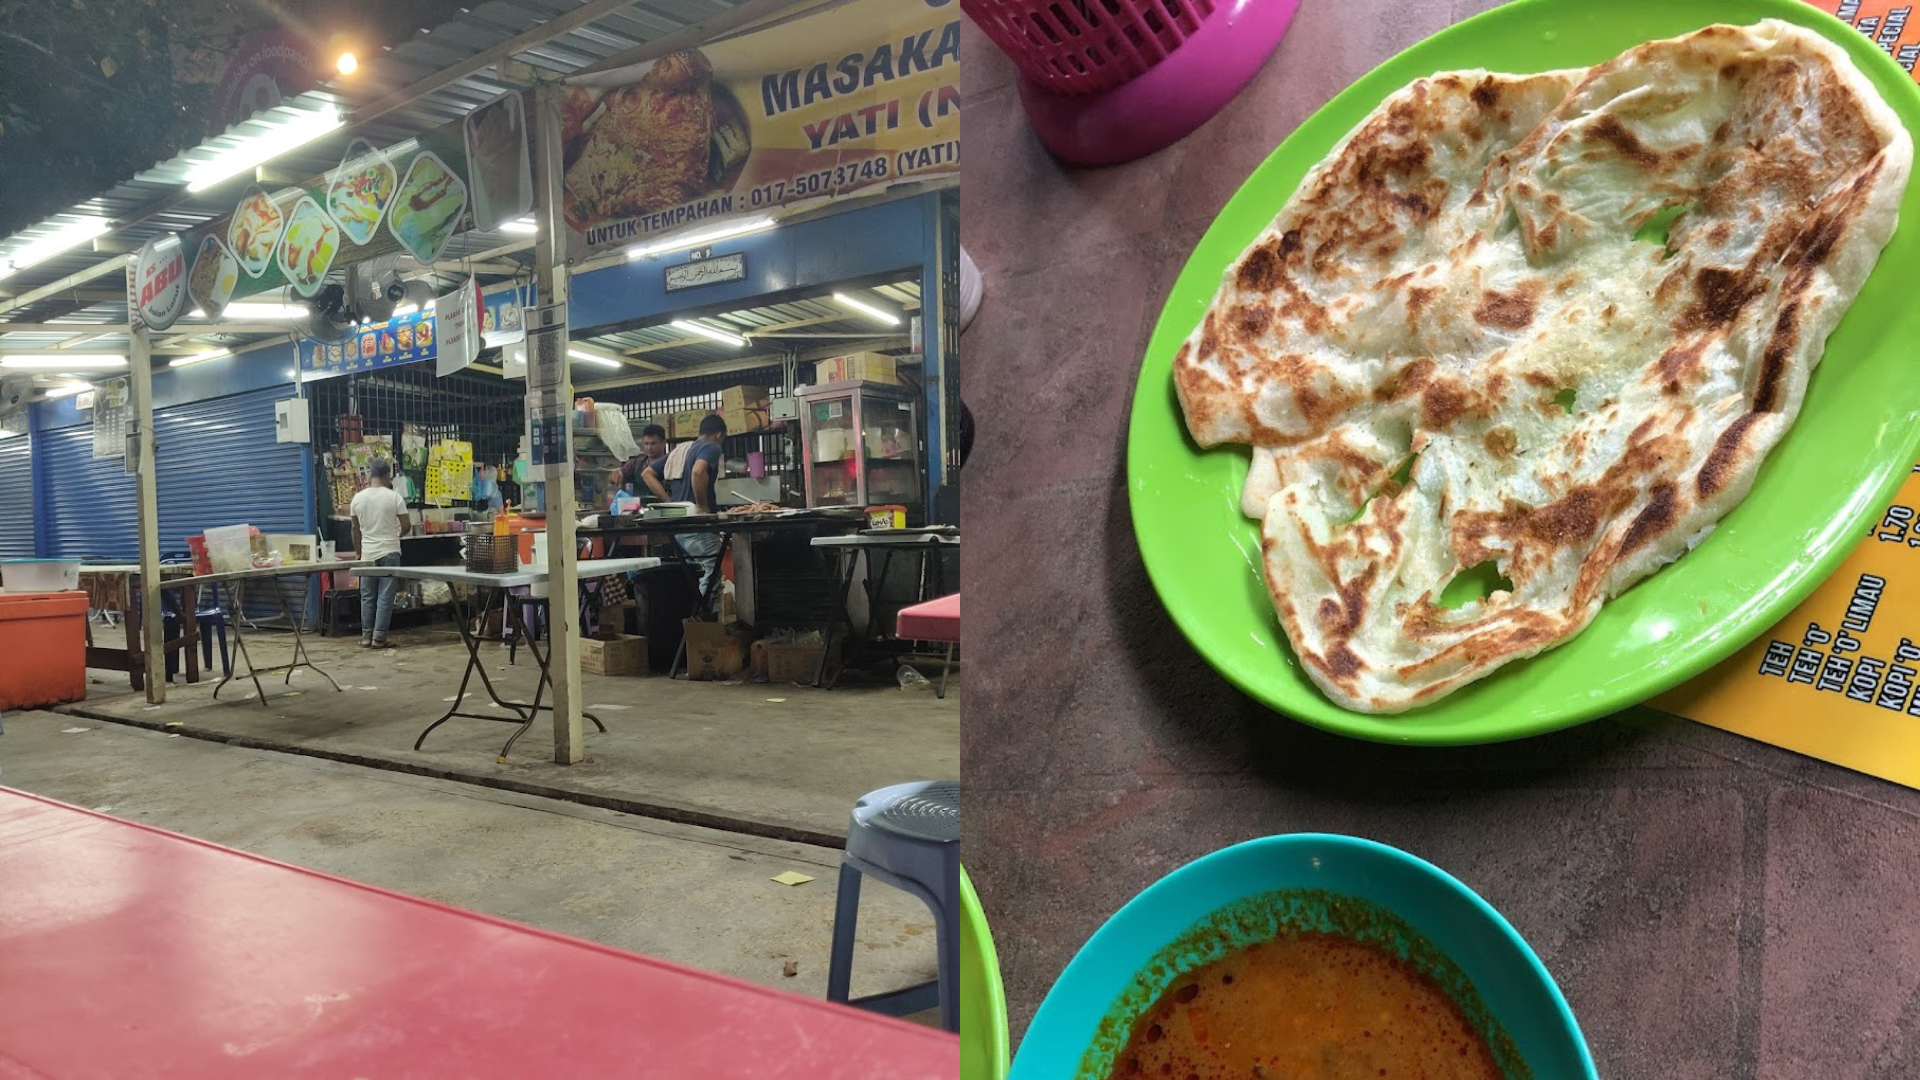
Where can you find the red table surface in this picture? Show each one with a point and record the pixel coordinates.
(935, 620)
(127, 951)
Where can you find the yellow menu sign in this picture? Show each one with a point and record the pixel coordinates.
(1835, 679)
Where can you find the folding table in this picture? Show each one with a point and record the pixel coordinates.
(140, 953)
(235, 597)
(113, 588)
(524, 714)
(880, 545)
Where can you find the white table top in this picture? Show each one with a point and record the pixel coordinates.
(134, 568)
(284, 570)
(887, 539)
(460, 575)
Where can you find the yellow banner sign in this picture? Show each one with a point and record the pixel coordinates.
(1835, 679)
(844, 99)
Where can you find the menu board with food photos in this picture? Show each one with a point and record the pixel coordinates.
(473, 172)
(403, 339)
(832, 102)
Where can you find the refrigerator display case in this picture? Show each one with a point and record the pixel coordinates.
(862, 446)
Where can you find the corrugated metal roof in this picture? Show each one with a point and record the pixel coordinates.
(676, 349)
(475, 32)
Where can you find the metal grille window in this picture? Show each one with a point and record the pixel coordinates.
(485, 410)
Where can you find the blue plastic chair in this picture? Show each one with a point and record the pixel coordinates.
(907, 835)
(212, 617)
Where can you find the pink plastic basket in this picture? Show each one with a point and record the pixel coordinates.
(1104, 81)
(1080, 46)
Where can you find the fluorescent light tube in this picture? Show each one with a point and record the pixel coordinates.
(405, 309)
(262, 311)
(708, 331)
(868, 309)
(70, 234)
(589, 358)
(69, 390)
(523, 225)
(695, 239)
(62, 361)
(201, 357)
(289, 134)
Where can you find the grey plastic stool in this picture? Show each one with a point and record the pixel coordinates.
(908, 836)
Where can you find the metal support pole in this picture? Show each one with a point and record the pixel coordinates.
(563, 584)
(147, 509)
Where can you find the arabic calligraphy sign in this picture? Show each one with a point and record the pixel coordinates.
(692, 275)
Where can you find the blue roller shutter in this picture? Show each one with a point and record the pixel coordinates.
(16, 498)
(89, 508)
(219, 465)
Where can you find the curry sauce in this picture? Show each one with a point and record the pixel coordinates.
(1308, 1006)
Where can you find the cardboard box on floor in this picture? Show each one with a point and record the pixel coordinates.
(612, 618)
(621, 654)
(793, 663)
(714, 653)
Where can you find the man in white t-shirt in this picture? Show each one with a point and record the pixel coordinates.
(379, 521)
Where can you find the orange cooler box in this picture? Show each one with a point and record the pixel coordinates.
(43, 649)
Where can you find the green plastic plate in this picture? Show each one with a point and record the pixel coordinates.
(983, 1004)
(1816, 495)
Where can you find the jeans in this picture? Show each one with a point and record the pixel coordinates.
(376, 599)
(702, 550)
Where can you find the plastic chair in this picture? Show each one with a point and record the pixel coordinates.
(907, 835)
(212, 619)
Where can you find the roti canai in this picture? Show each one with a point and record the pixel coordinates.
(1543, 328)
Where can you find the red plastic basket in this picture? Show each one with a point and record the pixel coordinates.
(1105, 81)
(1084, 46)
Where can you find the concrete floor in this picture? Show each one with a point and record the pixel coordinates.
(784, 762)
(691, 895)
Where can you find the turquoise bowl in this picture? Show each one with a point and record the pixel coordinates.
(1309, 881)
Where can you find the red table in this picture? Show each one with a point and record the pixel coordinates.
(126, 951)
(935, 620)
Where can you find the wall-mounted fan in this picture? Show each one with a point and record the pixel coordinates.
(328, 318)
(369, 293)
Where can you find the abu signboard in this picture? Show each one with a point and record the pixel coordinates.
(841, 100)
